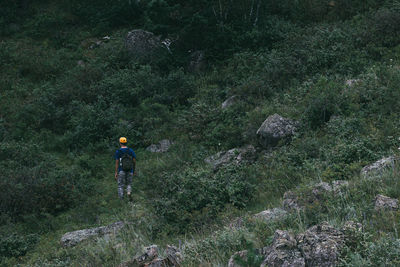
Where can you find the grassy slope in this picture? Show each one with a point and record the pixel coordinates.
(331, 151)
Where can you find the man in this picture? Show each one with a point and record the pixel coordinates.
(125, 163)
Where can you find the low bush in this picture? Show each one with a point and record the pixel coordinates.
(382, 252)
(184, 198)
(15, 245)
(324, 100)
(34, 182)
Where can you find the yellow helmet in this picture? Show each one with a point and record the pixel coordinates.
(123, 140)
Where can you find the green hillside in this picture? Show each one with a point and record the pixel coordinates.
(72, 83)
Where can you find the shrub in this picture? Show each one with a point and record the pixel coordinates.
(183, 197)
(323, 100)
(33, 182)
(15, 245)
(382, 252)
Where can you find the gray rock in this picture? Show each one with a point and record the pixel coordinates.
(274, 129)
(173, 256)
(386, 203)
(235, 155)
(150, 258)
(291, 201)
(321, 244)
(283, 251)
(378, 167)
(197, 62)
(271, 215)
(161, 147)
(320, 189)
(150, 253)
(71, 239)
(323, 188)
(142, 44)
(230, 102)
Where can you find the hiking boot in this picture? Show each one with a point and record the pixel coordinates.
(129, 196)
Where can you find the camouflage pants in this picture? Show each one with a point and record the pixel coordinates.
(124, 178)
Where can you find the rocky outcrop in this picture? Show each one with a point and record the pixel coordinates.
(386, 203)
(320, 245)
(235, 155)
(150, 258)
(283, 251)
(161, 147)
(271, 215)
(142, 44)
(73, 238)
(378, 167)
(230, 102)
(274, 129)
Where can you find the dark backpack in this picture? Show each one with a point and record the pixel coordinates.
(126, 161)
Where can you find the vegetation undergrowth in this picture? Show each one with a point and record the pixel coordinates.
(67, 94)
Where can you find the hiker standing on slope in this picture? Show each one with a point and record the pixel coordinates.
(125, 163)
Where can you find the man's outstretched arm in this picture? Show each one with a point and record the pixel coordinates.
(116, 168)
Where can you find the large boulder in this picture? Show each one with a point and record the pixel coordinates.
(161, 147)
(321, 245)
(386, 203)
(283, 252)
(274, 129)
(71, 239)
(378, 167)
(235, 155)
(271, 215)
(143, 44)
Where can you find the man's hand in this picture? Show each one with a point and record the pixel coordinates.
(116, 175)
